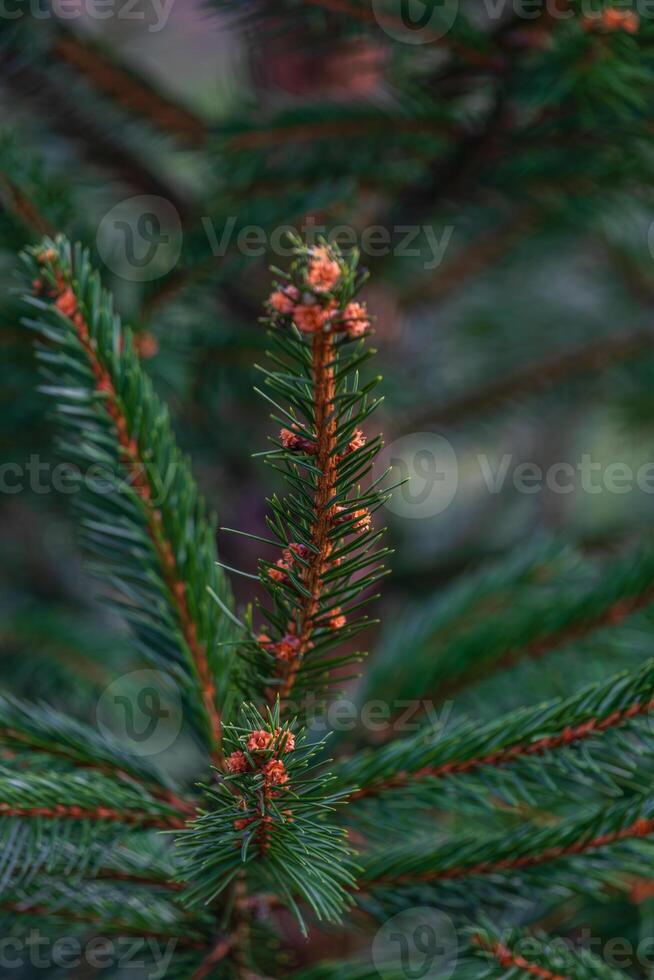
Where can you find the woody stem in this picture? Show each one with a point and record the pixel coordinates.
(325, 423)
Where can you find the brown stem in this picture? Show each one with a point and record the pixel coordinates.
(23, 908)
(471, 262)
(332, 129)
(17, 202)
(128, 90)
(133, 462)
(510, 961)
(134, 879)
(325, 430)
(217, 954)
(613, 615)
(525, 381)
(568, 736)
(60, 812)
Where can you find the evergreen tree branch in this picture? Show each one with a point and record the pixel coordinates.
(527, 732)
(98, 907)
(518, 851)
(471, 262)
(19, 204)
(526, 381)
(611, 615)
(40, 728)
(37, 199)
(219, 951)
(124, 416)
(324, 525)
(324, 388)
(46, 796)
(532, 955)
(266, 825)
(127, 88)
(288, 128)
(51, 101)
(467, 636)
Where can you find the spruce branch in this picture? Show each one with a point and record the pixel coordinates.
(97, 905)
(521, 735)
(524, 382)
(458, 640)
(465, 858)
(46, 796)
(126, 87)
(531, 955)
(37, 200)
(26, 75)
(153, 513)
(267, 824)
(39, 728)
(330, 554)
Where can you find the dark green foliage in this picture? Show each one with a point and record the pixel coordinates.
(524, 135)
(289, 844)
(117, 519)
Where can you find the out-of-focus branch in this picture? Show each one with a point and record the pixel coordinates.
(533, 378)
(18, 204)
(54, 103)
(128, 89)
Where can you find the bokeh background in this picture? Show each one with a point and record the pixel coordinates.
(498, 175)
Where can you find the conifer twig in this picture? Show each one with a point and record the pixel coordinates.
(101, 813)
(612, 615)
(324, 526)
(512, 961)
(512, 852)
(12, 197)
(322, 352)
(142, 452)
(566, 738)
(530, 379)
(128, 89)
(66, 302)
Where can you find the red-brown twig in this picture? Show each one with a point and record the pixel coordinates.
(134, 464)
(128, 90)
(569, 735)
(511, 961)
(640, 828)
(325, 430)
(60, 812)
